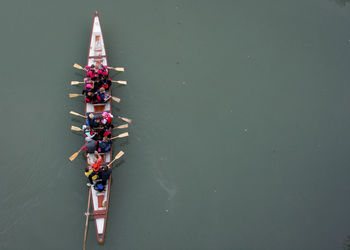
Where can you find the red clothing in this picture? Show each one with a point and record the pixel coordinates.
(96, 166)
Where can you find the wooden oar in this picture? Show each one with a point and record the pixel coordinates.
(77, 82)
(76, 114)
(115, 99)
(87, 218)
(74, 95)
(121, 126)
(73, 156)
(120, 154)
(74, 128)
(121, 135)
(125, 119)
(120, 82)
(77, 66)
(117, 69)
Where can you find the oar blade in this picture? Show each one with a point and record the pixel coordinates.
(115, 99)
(120, 136)
(120, 154)
(122, 126)
(74, 95)
(77, 66)
(74, 83)
(74, 128)
(122, 82)
(73, 156)
(123, 135)
(121, 69)
(76, 114)
(125, 119)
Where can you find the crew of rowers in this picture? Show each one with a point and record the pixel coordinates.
(97, 132)
(97, 82)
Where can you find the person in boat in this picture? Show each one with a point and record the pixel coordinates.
(93, 169)
(106, 124)
(91, 72)
(89, 133)
(104, 175)
(90, 146)
(102, 96)
(105, 82)
(102, 71)
(104, 145)
(88, 172)
(91, 121)
(89, 92)
(106, 119)
(90, 97)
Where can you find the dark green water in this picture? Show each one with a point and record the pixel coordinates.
(240, 133)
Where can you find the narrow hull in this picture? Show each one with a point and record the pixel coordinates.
(100, 200)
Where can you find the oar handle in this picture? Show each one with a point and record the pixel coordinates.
(87, 218)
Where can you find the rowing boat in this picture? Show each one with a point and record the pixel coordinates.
(100, 200)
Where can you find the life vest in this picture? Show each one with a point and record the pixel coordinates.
(96, 166)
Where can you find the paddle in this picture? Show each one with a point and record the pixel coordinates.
(120, 154)
(77, 82)
(73, 156)
(121, 126)
(74, 128)
(77, 66)
(116, 99)
(120, 82)
(87, 218)
(125, 119)
(74, 95)
(76, 114)
(121, 135)
(117, 69)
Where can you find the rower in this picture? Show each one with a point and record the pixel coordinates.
(93, 170)
(89, 97)
(104, 145)
(103, 71)
(90, 146)
(91, 120)
(89, 133)
(105, 82)
(104, 175)
(102, 97)
(88, 91)
(107, 119)
(91, 71)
